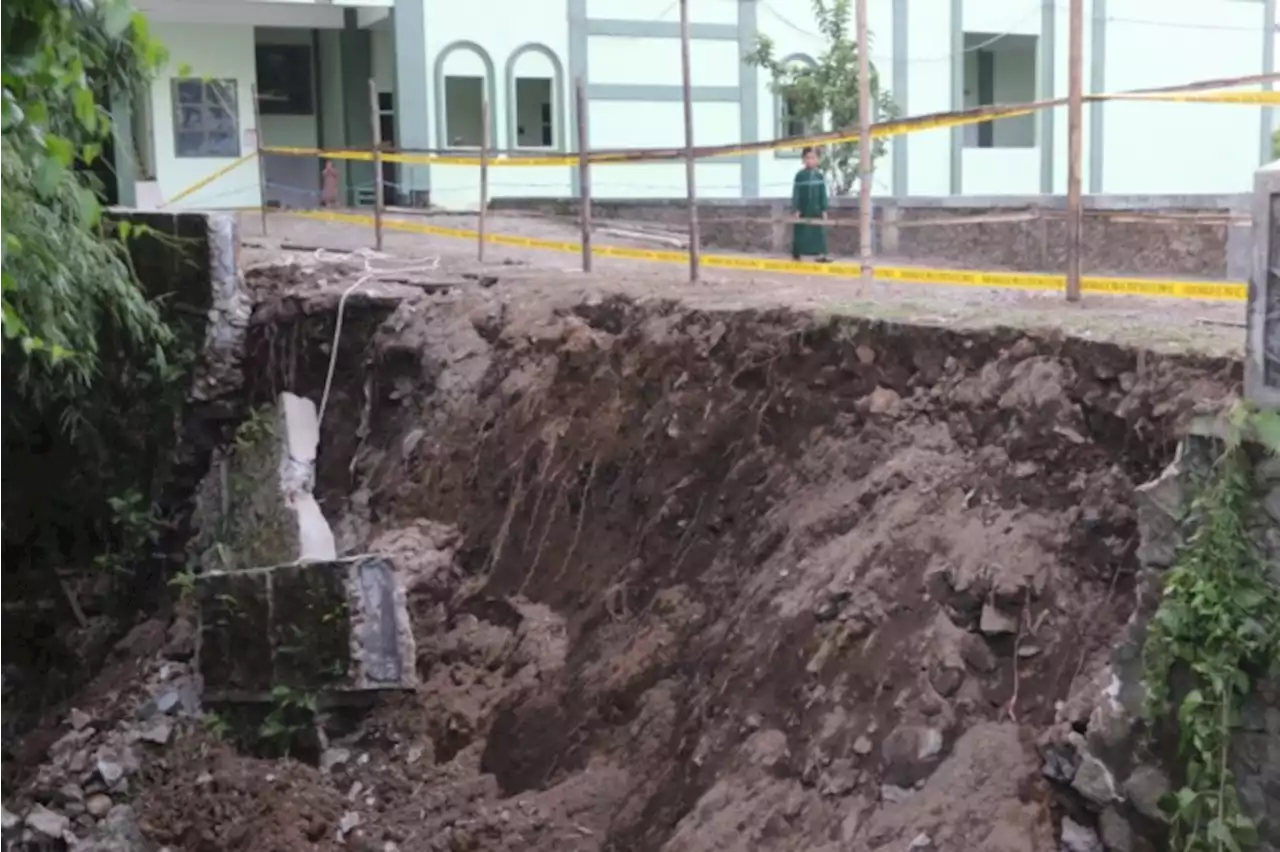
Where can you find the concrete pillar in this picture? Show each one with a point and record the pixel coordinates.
(1262, 351)
(889, 229)
(333, 112)
(778, 231)
(413, 107)
(356, 48)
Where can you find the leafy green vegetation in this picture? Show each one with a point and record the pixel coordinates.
(93, 373)
(825, 95)
(65, 274)
(1219, 626)
(294, 714)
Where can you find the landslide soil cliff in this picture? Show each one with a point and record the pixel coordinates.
(695, 581)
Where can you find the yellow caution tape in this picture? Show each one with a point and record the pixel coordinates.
(878, 131)
(423, 159)
(889, 128)
(1254, 98)
(1231, 291)
(205, 181)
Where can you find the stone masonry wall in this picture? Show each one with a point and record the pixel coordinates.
(1109, 778)
(1176, 246)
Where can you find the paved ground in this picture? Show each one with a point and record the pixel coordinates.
(1160, 324)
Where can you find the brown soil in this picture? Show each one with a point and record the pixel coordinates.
(695, 580)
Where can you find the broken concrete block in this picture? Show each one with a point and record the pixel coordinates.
(256, 506)
(383, 636)
(1160, 504)
(335, 626)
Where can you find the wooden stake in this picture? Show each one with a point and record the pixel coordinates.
(262, 165)
(484, 173)
(1075, 148)
(379, 199)
(686, 80)
(584, 173)
(864, 145)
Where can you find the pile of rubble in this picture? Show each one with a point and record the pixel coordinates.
(77, 797)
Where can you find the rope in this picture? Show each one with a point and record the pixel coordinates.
(367, 256)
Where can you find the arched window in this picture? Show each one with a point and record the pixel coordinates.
(464, 78)
(786, 124)
(535, 98)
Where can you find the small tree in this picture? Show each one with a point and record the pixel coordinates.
(826, 95)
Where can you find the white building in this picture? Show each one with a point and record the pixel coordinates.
(433, 60)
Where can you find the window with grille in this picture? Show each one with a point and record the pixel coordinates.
(205, 118)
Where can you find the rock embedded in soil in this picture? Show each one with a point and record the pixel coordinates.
(910, 753)
(1095, 782)
(46, 822)
(996, 622)
(332, 758)
(79, 719)
(98, 805)
(883, 401)
(1117, 835)
(157, 732)
(118, 832)
(977, 654)
(70, 792)
(1079, 838)
(947, 680)
(168, 701)
(1144, 788)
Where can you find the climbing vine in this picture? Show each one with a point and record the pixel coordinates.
(1218, 625)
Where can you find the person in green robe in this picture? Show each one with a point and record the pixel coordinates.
(809, 201)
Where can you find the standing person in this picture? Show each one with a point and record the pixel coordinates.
(809, 201)
(329, 185)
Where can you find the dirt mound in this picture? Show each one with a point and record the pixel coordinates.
(699, 581)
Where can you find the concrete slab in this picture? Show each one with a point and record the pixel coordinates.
(339, 626)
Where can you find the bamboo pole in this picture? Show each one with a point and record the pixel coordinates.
(1075, 148)
(686, 81)
(864, 146)
(379, 198)
(584, 172)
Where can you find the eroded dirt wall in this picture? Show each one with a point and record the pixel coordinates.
(690, 578)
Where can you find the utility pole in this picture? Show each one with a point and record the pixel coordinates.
(1075, 148)
(686, 75)
(864, 146)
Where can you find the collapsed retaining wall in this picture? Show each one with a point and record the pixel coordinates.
(1208, 248)
(1111, 773)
